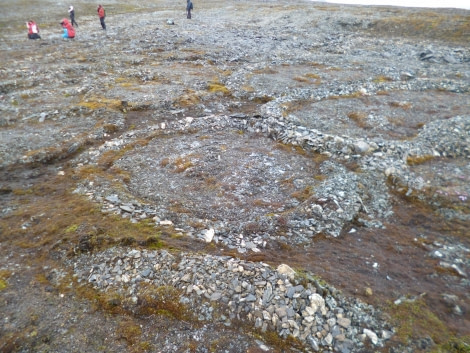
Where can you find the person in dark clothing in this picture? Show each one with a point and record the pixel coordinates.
(72, 16)
(102, 15)
(189, 7)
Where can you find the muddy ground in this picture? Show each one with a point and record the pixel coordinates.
(96, 113)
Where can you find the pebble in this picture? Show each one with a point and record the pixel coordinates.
(268, 298)
(272, 297)
(341, 187)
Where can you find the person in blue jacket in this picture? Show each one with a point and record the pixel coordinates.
(189, 7)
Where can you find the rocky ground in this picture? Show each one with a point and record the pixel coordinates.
(267, 176)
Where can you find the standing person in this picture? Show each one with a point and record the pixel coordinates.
(33, 30)
(102, 16)
(189, 7)
(69, 31)
(72, 16)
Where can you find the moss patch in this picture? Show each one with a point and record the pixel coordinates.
(217, 87)
(359, 118)
(4, 275)
(97, 103)
(416, 160)
(414, 319)
(431, 25)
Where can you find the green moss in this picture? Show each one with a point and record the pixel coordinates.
(283, 344)
(454, 345)
(356, 94)
(153, 242)
(4, 275)
(416, 160)
(71, 229)
(129, 331)
(164, 300)
(182, 163)
(42, 279)
(100, 102)
(145, 346)
(382, 79)
(414, 319)
(430, 25)
(217, 87)
(19, 192)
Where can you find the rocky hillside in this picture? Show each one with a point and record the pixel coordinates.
(264, 177)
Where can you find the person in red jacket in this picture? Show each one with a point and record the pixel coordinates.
(33, 30)
(102, 16)
(69, 31)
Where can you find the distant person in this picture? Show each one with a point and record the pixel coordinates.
(69, 31)
(33, 30)
(72, 16)
(102, 15)
(189, 7)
